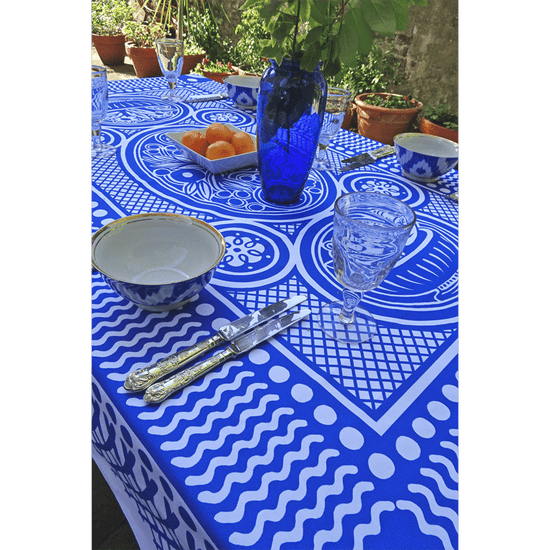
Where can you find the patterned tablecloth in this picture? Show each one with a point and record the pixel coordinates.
(304, 443)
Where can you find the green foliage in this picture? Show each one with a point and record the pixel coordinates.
(214, 67)
(202, 27)
(390, 101)
(246, 53)
(331, 31)
(441, 115)
(109, 16)
(375, 72)
(143, 35)
(190, 46)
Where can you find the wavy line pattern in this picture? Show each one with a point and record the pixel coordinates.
(225, 432)
(340, 511)
(424, 526)
(439, 459)
(336, 488)
(265, 459)
(260, 494)
(150, 335)
(373, 528)
(138, 348)
(443, 511)
(206, 428)
(146, 322)
(232, 458)
(99, 291)
(149, 320)
(107, 324)
(109, 297)
(120, 304)
(451, 446)
(444, 490)
(201, 387)
(277, 514)
(199, 406)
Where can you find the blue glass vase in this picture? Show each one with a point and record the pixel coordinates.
(291, 105)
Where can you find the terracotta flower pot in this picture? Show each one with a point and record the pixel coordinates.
(429, 127)
(349, 118)
(145, 61)
(218, 77)
(382, 123)
(191, 61)
(110, 49)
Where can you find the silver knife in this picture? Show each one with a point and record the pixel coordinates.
(211, 97)
(142, 378)
(161, 390)
(454, 196)
(367, 158)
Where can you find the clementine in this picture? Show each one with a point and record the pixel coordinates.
(220, 150)
(242, 143)
(218, 132)
(196, 141)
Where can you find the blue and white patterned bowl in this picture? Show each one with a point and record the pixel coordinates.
(157, 261)
(243, 90)
(424, 157)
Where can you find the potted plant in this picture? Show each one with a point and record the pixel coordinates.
(440, 120)
(193, 54)
(215, 70)
(374, 73)
(108, 20)
(303, 36)
(381, 116)
(141, 47)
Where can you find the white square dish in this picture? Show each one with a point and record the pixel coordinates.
(220, 165)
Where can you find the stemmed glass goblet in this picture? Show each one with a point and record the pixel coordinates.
(369, 234)
(170, 56)
(100, 105)
(337, 104)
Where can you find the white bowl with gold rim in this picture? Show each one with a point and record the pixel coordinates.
(157, 261)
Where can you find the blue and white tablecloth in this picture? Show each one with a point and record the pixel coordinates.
(304, 443)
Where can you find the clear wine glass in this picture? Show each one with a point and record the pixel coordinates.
(170, 56)
(369, 234)
(100, 106)
(338, 100)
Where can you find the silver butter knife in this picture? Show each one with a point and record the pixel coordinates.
(367, 158)
(142, 378)
(161, 390)
(211, 97)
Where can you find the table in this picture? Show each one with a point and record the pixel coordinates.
(303, 443)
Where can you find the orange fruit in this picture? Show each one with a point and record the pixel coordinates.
(242, 143)
(195, 141)
(218, 132)
(220, 150)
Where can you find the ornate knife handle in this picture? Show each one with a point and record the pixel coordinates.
(141, 379)
(383, 151)
(160, 391)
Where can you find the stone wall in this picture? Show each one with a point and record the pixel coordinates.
(229, 20)
(428, 53)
